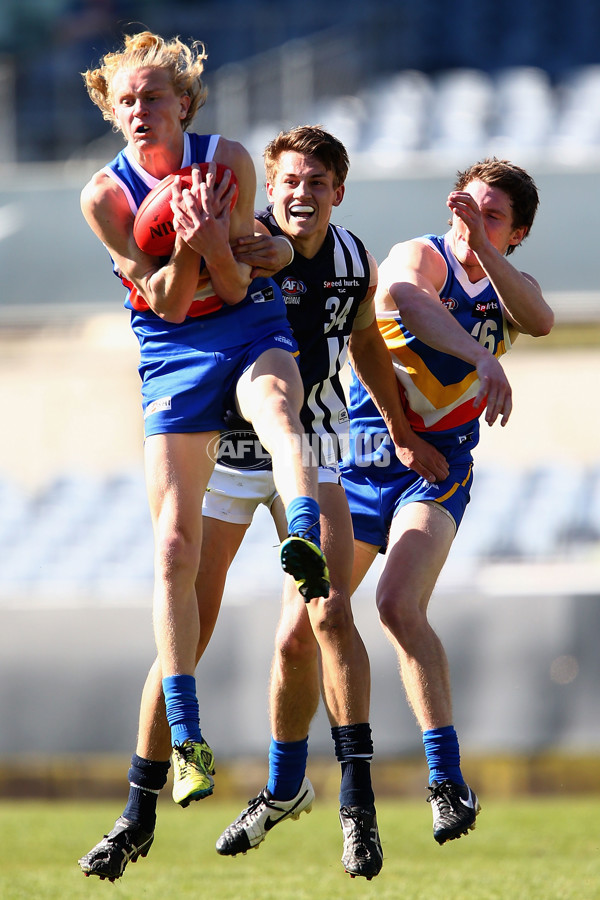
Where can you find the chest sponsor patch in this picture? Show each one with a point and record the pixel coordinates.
(483, 310)
(342, 283)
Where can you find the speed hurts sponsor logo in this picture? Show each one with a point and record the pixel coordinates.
(342, 283)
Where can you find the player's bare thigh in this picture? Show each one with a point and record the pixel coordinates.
(178, 468)
(420, 539)
(274, 372)
(220, 543)
(364, 557)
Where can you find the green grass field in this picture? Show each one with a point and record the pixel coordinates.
(535, 849)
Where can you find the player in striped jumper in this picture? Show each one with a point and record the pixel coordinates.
(448, 307)
(328, 287)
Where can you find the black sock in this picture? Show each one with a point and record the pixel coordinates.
(354, 750)
(141, 807)
(146, 779)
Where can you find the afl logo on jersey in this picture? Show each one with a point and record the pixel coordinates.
(449, 303)
(292, 290)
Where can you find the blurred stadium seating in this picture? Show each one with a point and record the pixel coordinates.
(82, 540)
(390, 77)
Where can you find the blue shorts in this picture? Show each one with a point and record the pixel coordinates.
(376, 494)
(190, 371)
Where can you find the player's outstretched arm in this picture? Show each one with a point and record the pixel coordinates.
(266, 253)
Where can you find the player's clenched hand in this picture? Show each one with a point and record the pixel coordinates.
(222, 194)
(200, 215)
(265, 253)
(422, 458)
(494, 390)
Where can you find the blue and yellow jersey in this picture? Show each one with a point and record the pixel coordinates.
(438, 389)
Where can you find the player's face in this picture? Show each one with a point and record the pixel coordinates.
(146, 107)
(303, 195)
(496, 213)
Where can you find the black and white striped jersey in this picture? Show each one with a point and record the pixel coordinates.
(322, 296)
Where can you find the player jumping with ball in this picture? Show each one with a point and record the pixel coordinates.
(196, 359)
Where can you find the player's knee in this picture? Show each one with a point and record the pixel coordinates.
(295, 650)
(331, 618)
(281, 406)
(404, 621)
(176, 551)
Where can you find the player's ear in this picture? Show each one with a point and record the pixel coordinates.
(518, 235)
(269, 190)
(339, 194)
(184, 105)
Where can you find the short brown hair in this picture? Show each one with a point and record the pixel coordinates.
(185, 65)
(310, 140)
(511, 179)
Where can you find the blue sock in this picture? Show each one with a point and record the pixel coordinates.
(182, 708)
(354, 750)
(287, 765)
(303, 518)
(443, 755)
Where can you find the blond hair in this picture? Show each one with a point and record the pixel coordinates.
(146, 50)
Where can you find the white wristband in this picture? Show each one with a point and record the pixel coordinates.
(290, 245)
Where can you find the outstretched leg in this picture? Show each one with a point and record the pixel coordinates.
(269, 395)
